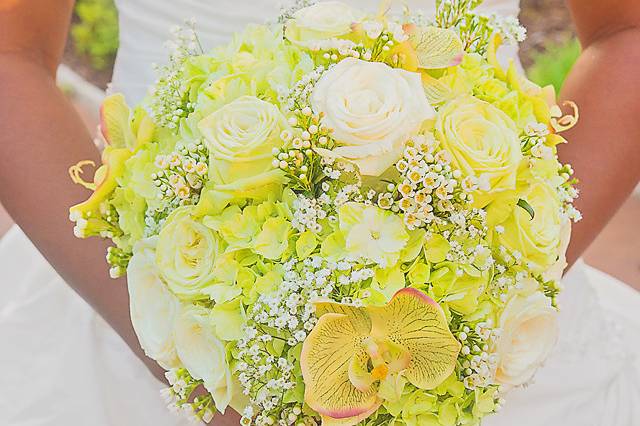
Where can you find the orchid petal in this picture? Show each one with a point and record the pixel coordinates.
(436, 47)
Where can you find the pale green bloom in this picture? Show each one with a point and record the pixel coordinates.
(229, 319)
(273, 240)
(419, 409)
(263, 284)
(372, 233)
(137, 177)
(306, 244)
(224, 286)
(436, 248)
(131, 208)
(459, 286)
(388, 281)
(237, 227)
(334, 246)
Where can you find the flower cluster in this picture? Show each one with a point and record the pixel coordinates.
(182, 397)
(430, 188)
(169, 102)
(181, 174)
(339, 189)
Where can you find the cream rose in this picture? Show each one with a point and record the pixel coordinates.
(241, 137)
(186, 254)
(529, 333)
(373, 110)
(483, 142)
(153, 307)
(203, 354)
(537, 239)
(321, 21)
(555, 271)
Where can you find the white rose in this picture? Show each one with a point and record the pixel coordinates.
(203, 354)
(321, 21)
(529, 333)
(373, 110)
(153, 307)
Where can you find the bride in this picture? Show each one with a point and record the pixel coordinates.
(63, 364)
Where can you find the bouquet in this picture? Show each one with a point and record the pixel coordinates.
(339, 218)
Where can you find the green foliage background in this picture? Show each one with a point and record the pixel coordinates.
(96, 31)
(552, 65)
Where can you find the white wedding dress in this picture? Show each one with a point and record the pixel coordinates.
(63, 366)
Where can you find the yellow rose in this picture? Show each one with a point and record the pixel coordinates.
(241, 137)
(529, 332)
(373, 110)
(321, 21)
(537, 239)
(186, 254)
(483, 142)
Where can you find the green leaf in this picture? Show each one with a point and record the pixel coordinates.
(523, 204)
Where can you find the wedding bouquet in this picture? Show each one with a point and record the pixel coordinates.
(339, 218)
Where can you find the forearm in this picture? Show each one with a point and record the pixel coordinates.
(605, 145)
(40, 137)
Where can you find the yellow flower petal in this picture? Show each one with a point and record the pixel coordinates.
(409, 336)
(417, 323)
(326, 356)
(115, 123)
(105, 181)
(436, 47)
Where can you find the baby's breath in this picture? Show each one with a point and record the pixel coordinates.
(180, 397)
(170, 101)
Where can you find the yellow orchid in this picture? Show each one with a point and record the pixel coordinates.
(104, 180)
(543, 99)
(124, 133)
(435, 47)
(352, 350)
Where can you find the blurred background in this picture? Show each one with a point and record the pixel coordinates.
(547, 55)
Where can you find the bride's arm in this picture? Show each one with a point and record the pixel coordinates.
(40, 137)
(605, 83)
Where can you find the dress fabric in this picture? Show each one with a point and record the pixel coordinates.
(64, 366)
